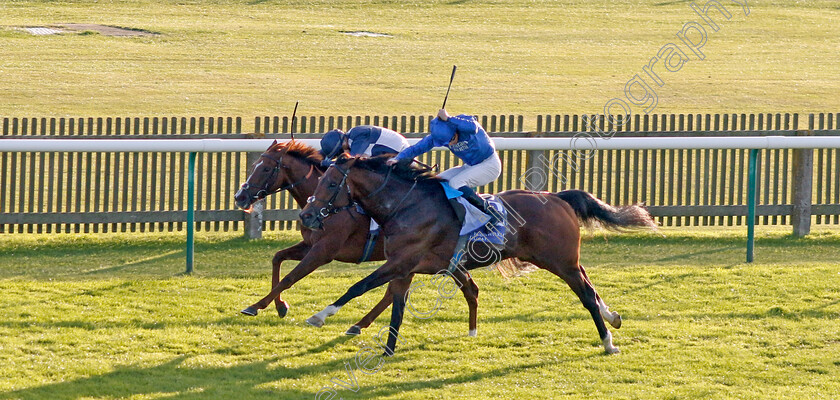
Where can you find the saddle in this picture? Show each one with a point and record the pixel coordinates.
(474, 224)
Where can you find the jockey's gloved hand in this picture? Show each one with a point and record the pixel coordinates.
(391, 161)
(443, 115)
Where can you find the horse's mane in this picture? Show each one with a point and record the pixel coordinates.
(406, 171)
(301, 151)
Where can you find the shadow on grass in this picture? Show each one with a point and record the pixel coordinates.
(167, 256)
(402, 386)
(326, 346)
(173, 380)
(772, 312)
(143, 258)
(686, 256)
(663, 281)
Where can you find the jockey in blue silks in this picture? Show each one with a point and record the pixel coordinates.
(367, 140)
(465, 137)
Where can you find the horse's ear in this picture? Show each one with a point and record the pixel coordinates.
(343, 158)
(274, 143)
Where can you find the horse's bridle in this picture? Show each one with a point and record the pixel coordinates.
(329, 208)
(266, 187)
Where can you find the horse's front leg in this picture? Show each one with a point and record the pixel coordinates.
(315, 256)
(385, 273)
(374, 313)
(466, 283)
(397, 311)
(296, 252)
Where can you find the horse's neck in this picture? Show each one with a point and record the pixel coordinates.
(302, 192)
(398, 195)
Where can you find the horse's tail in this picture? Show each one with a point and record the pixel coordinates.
(591, 211)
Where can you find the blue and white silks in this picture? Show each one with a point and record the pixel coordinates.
(475, 220)
(473, 145)
(372, 141)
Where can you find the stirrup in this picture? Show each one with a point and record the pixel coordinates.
(491, 213)
(458, 257)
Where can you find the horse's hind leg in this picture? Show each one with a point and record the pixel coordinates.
(576, 279)
(397, 311)
(610, 316)
(470, 290)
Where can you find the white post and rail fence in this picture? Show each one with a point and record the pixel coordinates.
(182, 177)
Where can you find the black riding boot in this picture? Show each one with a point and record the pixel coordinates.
(480, 204)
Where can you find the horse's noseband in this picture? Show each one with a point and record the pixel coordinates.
(329, 208)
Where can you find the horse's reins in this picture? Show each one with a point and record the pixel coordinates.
(427, 166)
(328, 210)
(397, 207)
(381, 187)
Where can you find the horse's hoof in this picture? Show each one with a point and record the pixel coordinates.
(282, 308)
(612, 350)
(315, 321)
(353, 331)
(616, 323)
(388, 353)
(472, 333)
(250, 311)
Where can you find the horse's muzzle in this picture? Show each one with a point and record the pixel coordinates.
(311, 220)
(243, 199)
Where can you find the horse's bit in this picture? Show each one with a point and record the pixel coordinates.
(329, 208)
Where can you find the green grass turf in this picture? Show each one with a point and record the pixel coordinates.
(110, 316)
(256, 57)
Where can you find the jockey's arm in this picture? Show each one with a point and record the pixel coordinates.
(424, 145)
(464, 123)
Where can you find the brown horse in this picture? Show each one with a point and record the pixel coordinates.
(296, 167)
(422, 230)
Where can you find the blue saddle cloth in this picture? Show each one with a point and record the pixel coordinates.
(475, 221)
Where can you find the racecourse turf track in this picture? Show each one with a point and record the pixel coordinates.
(111, 316)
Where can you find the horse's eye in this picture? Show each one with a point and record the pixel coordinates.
(266, 169)
(332, 184)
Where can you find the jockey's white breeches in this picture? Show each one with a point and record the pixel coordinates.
(474, 175)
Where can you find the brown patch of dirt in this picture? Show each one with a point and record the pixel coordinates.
(106, 30)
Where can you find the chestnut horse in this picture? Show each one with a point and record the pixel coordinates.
(296, 167)
(421, 231)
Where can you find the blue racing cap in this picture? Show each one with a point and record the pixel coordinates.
(331, 143)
